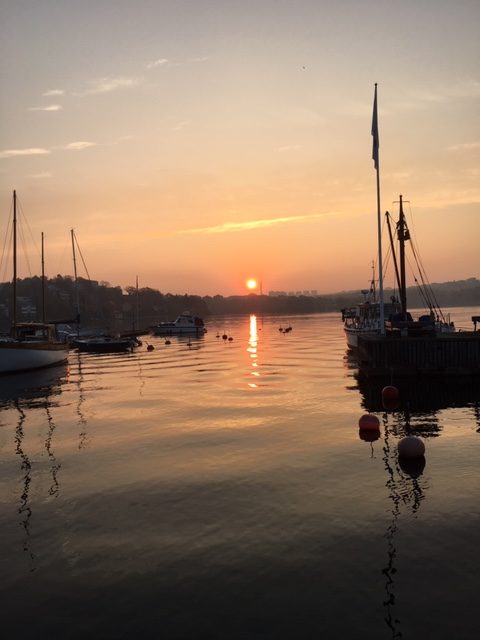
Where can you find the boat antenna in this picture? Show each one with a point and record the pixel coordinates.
(376, 161)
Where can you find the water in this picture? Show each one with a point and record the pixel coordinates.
(221, 490)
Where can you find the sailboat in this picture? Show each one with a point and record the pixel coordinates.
(376, 317)
(30, 345)
(95, 343)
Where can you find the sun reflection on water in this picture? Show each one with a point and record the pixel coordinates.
(252, 349)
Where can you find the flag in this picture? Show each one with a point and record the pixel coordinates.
(376, 143)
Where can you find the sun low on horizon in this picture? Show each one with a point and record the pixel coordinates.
(251, 284)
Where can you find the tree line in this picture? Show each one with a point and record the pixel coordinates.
(102, 305)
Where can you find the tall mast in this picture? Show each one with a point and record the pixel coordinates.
(376, 160)
(402, 236)
(77, 299)
(14, 258)
(43, 282)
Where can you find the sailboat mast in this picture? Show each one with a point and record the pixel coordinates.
(14, 283)
(376, 159)
(402, 236)
(43, 281)
(77, 299)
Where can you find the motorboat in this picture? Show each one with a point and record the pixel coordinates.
(185, 324)
(105, 344)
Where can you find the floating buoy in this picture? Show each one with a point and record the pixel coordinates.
(224, 336)
(390, 393)
(230, 339)
(218, 335)
(150, 347)
(369, 435)
(369, 422)
(411, 447)
(414, 467)
(167, 341)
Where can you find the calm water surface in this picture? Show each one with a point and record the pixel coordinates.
(221, 490)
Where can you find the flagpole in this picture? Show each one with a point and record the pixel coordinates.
(376, 159)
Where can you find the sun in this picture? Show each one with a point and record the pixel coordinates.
(251, 284)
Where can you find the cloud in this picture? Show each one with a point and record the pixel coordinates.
(466, 146)
(230, 227)
(40, 176)
(289, 147)
(51, 107)
(107, 85)
(181, 125)
(199, 59)
(157, 63)
(10, 153)
(54, 92)
(79, 146)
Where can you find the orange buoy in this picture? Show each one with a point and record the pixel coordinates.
(369, 422)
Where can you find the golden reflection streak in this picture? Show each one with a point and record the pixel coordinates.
(253, 348)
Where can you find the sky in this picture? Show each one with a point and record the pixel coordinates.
(198, 143)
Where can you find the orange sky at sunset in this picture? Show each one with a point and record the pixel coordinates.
(197, 144)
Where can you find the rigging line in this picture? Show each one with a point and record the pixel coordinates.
(81, 255)
(7, 249)
(414, 243)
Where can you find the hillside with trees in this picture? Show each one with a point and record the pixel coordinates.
(108, 307)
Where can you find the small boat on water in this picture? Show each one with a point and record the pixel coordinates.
(30, 345)
(185, 324)
(105, 344)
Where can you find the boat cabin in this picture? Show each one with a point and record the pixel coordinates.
(34, 332)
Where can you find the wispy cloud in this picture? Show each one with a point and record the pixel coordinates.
(107, 85)
(42, 175)
(181, 125)
(157, 63)
(289, 147)
(50, 107)
(54, 92)
(465, 146)
(10, 153)
(79, 146)
(199, 59)
(231, 227)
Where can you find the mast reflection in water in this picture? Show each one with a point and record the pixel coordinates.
(221, 490)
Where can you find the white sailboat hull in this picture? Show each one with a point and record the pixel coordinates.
(15, 356)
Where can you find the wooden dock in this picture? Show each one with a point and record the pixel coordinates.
(434, 355)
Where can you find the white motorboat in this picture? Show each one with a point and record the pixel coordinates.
(185, 324)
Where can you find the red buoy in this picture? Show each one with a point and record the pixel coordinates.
(369, 422)
(411, 447)
(369, 435)
(390, 393)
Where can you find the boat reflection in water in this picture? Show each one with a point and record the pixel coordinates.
(32, 386)
(36, 390)
(422, 394)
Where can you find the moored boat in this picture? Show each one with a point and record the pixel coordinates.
(372, 317)
(30, 345)
(185, 324)
(105, 344)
